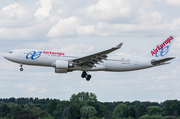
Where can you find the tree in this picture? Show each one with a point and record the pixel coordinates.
(17, 111)
(87, 111)
(36, 111)
(142, 110)
(66, 113)
(44, 114)
(83, 98)
(101, 110)
(120, 110)
(176, 114)
(26, 109)
(132, 112)
(5, 110)
(62, 110)
(52, 106)
(152, 110)
(26, 116)
(79, 100)
(170, 106)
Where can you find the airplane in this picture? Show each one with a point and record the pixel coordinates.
(101, 61)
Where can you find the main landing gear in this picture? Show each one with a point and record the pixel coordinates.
(21, 69)
(85, 75)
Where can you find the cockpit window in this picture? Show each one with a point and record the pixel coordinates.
(10, 51)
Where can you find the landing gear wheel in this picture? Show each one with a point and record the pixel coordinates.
(21, 69)
(84, 74)
(88, 77)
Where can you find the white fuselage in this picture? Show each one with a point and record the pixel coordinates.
(111, 63)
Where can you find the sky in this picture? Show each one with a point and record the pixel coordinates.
(89, 26)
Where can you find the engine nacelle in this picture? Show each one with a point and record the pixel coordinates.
(61, 70)
(62, 66)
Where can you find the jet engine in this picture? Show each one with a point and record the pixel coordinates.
(62, 66)
(61, 70)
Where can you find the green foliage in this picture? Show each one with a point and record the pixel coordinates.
(52, 106)
(36, 111)
(87, 111)
(142, 110)
(152, 110)
(132, 112)
(122, 118)
(83, 98)
(63, 109)
(170, 106)
(80, 100)
(151, 117)
(5, 110)
(85, 105)
(50, 117)
(66, 113)
(44, 114)
(26, 109)
(17, 111)
(169, 117)
(26, 116)
(120, 111)
(176, 114)
(94, 118)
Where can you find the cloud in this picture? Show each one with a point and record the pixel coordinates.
(78, 48)
(44, 9)
(15, 15)
(105, 10)
(162, 77)
(11, 6)
(65, 27)
(86, 30)
(31, 89)
(110, 18)
(173, 2)
(150, 17)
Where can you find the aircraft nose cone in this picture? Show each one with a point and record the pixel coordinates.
(5, 56)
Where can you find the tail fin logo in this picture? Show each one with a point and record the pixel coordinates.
(163, 51)
(162, 48)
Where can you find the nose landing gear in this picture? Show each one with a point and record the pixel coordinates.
(85, 75)
(21, 69)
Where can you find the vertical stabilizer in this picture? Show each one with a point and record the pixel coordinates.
(162, 48)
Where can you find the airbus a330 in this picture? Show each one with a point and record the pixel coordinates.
(67, 62)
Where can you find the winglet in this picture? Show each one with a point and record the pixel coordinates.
(119, 46)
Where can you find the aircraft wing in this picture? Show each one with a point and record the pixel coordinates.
(160, 61)
(90, 60)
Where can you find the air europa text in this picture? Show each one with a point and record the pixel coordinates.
(53, 53)
(159, 47)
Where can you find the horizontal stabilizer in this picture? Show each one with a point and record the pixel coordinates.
(160, 61)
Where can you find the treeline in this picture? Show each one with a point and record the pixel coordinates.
(85, 105)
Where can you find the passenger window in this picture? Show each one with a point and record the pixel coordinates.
(10, 51)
